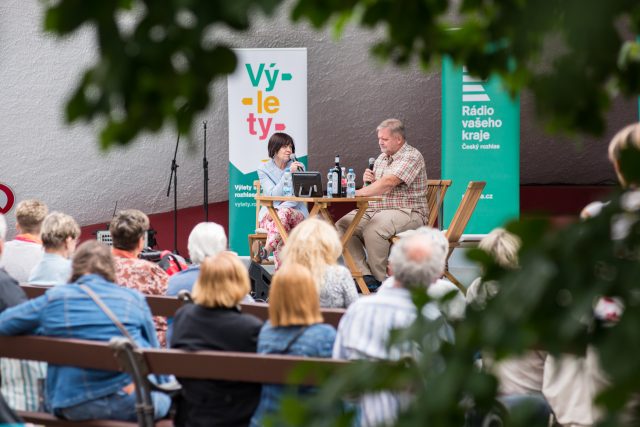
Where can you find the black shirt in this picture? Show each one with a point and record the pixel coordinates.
(10, 292)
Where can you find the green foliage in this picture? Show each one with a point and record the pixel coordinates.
(156, 60)
(547, 304)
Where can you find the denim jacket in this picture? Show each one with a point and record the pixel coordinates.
(271, 183)
(68, 312)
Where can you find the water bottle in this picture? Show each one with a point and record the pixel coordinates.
(287, 186)
(330, 183)
(351, 183)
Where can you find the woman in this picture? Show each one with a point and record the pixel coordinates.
(215, 322)
(59, 235)
(316, 245)
(294, 327)
(271, 176)
(69, 312)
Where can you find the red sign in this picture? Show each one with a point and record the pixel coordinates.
(6, 193)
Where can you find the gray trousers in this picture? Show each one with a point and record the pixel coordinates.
(373, 233)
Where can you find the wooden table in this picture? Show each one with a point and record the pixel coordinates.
(320, 207)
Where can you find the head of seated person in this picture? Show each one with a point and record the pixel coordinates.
(624, 154)
(293, 297)
(280, 147)
(60, 233)
(206, 239)
(314, 244)
(503, 247)
(223, 281)
(127, 230)
(93, 257)
(29, 216)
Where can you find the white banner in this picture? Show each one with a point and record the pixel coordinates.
(266, 94)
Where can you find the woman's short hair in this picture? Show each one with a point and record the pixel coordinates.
(502, 246)
(57, 227)
(206, 239)
(279, 140)
(293, 297)
(223, 281)
(314, 244)
(127, 227)
(625, 139)
(30, 214)
(93, 257)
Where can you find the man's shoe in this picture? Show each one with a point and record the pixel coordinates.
(372, 283)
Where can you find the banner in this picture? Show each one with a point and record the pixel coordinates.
(480, 142)
(266, 94)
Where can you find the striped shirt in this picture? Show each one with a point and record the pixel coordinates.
(364, 332)
(407, 165)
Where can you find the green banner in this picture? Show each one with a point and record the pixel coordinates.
(480, 142)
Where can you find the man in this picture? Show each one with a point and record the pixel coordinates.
(19, 377)
(399, 176)
(417, 261)
(127, 230)
(23, 253)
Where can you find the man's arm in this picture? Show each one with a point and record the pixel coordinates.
(380, 186)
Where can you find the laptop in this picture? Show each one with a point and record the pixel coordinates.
(307, 184)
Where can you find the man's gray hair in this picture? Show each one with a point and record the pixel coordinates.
(206, 239)
(418, 259)
(394, 125)
(3, 227)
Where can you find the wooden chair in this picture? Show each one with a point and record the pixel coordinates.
(459, 223)
(260, 234)
(436, 190)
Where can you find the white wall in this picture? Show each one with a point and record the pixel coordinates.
(349, 94)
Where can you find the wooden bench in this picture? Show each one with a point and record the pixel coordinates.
(213, 365)
(167, 306)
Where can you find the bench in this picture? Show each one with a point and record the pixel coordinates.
(167, 306)
(213, 365)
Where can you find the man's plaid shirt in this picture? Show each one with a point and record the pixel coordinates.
(408, 165)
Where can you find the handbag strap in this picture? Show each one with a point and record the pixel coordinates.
(293, 340)
(96, 298)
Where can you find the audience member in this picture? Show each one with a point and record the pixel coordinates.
(316, 245)
(19, 378)
(128, 230)
(454, 307)
(215, 322)
(271, 175)
(25, 251)
(417, 261)
(400, 177)
(294, 327)
(60, 235)
(68, 311)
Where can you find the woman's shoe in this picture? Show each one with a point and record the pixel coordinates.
(258, 252)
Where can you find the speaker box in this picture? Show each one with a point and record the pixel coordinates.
(260, 282)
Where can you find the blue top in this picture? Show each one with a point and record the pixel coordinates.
(271, 183)
(53, 269)
(68, 312)
(316, 341)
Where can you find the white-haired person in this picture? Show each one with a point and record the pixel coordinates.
(315, 244)
(453, 308)
(417, 260)
(25, 251)
(59, 234)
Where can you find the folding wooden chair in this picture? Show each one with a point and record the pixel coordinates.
(436, 189)
(260, 234)
(459, 223)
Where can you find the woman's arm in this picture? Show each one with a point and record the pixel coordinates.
(23, 318)
(269, 184)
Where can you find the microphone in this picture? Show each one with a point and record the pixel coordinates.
(293, 158)
(371, 162)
